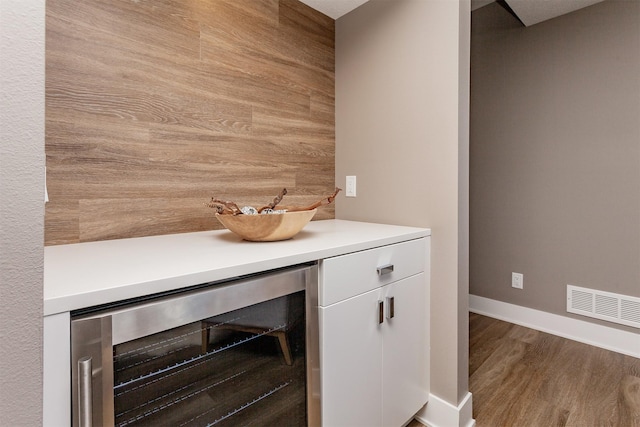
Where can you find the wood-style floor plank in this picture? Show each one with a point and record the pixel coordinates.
(520, 377)
(523, 377)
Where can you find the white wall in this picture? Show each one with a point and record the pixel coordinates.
(21, 210)
(402, 129)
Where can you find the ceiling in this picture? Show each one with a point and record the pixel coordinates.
(529, 12)
(334, 8)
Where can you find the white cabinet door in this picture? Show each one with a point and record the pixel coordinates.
(351, 362)
(405, 358)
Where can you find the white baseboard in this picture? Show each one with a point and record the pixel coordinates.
(578, 330)
(439, 413)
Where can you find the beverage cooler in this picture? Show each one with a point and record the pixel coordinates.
(241, 352)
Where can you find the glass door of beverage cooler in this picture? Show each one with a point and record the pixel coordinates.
(241, 367)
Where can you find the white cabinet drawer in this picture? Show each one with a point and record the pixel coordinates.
(349, 275)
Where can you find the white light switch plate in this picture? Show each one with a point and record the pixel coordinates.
(351, 186)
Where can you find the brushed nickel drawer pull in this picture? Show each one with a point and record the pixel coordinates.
(385, 269)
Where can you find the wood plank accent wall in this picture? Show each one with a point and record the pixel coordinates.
(155, 106)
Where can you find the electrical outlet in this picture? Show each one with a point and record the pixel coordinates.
(351, 186)
(517, 280)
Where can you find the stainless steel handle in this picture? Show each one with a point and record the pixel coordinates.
(390, 307)
(380, 312)
(385, 269)
(84, 392)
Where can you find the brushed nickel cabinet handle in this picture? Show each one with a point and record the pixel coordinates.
(391, 307)
(380, 312)
(385, 269)
(85, 409)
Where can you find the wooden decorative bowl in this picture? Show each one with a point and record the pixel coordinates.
(267, 227)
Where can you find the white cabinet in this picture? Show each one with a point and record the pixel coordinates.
(56, 375)
(374, 339)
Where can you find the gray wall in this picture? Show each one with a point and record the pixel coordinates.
(555, 154)
(21, 210)
(401, 106)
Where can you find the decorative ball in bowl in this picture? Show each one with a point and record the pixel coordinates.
(267, 227)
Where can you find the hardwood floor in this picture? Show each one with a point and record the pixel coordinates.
(523, 377)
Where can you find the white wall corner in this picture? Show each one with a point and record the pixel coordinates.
(440, 413)
(609, 338)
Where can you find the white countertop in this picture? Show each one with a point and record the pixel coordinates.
(88, 274)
